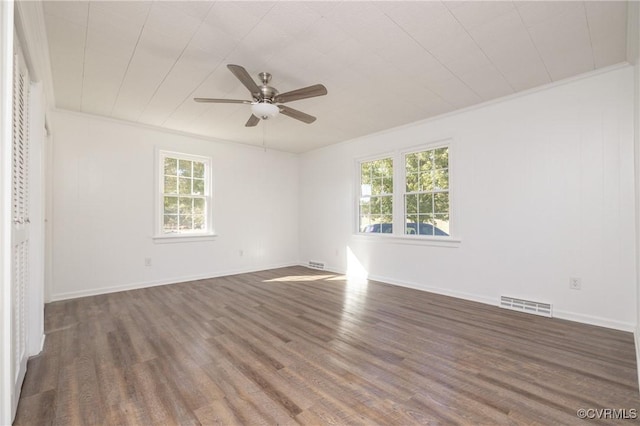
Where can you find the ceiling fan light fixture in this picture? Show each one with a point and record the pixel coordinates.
(264, 110)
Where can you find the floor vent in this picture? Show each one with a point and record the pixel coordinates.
(537, 308)
(316, 265)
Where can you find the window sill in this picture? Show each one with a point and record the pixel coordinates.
(449, 242)
(183, 238)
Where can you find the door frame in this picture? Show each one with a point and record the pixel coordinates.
(6, 112)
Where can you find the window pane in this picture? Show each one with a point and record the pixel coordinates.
(186, 221)
(387, 185)
(386, 226)
(425, 203)
(170, 166)
(411, 204)
(387, 205)
(441, 202)
(426, 181)
(411, 224)
(365, 172)
(198, 221)
(412, 182)
(369, 224)
(198, 169)
(375, 205)
(198, 206)
(441, 158)
(364, 222)
(442, 179)
(386, 167)
(170, 223)
(170, 185)
(170, 205)
(376, 186)
(186, 205)
(376, 168)
(364, 207)
(184, 168)
(426, 162)
(425, 226)
(185, 186)
(411, 163)
(198, 186)
(442, 225)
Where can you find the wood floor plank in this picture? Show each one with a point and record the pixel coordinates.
(298, 346)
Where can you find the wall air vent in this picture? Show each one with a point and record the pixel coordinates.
(537, 308)
(316, 265)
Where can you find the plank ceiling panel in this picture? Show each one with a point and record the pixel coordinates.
(166, 32)
(67, 40)
(144, 61)
(607, 26)
(564, 42)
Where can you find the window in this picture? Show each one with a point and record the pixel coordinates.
(376, 196)
(420, 206)
(426, 198)
(185, 201)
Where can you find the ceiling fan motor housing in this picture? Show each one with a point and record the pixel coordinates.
(266, 94)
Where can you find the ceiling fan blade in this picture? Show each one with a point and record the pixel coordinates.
(305, 92)
(244, 77)
(221, 101)
(298, 115)
(252, 121)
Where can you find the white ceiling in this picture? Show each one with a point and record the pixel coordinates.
(384, 63)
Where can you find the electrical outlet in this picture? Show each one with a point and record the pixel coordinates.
(147, 261)
(575, 283)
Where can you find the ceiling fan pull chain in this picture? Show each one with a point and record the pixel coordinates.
(264, 135)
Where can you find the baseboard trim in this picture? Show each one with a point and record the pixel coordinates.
(594, 320)
(565, 315)
(55, 297)
(436, 290)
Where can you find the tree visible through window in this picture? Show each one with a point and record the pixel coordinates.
(426, 199)
(376, 196)
(422, 202)
(185, 193)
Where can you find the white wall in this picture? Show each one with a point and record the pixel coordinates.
(103, 208)
(544, 185)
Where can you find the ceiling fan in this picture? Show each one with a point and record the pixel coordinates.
(265, 98)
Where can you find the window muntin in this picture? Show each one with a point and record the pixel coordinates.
(426, 198)
(184, 187)
(376, 196)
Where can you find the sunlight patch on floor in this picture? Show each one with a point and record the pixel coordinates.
(301, 278)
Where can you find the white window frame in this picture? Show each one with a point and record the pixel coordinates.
(403, 155)
(159, 235)
(399, 191)
(359, 162)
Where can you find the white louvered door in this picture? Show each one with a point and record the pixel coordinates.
(20, 217)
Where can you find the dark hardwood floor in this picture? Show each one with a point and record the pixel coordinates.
(295, 345)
